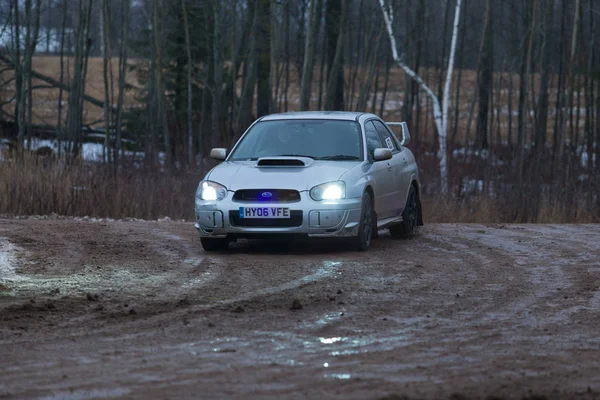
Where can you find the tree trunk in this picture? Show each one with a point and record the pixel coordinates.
(309, 53)
(524, 76)
(106, 65)
(59, 130)
(217, 132)
(334, 95)
(24, 75)
(286, 13)
(161, 109)
(74, 115)
(461, 66)
(263, 58)
(388, 67)
(323, 61)
(569, 91)
(190, 68)
(542, 114)
(365, 89)
(375, 88)
(125, 22)
(484, 78)
(86, 58)
(33, 41)
(246, 98)
(18, 76)
(274, 69)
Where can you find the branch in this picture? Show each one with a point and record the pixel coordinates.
(9, 101)
(57, 84)
(8, 81)
(43, 87)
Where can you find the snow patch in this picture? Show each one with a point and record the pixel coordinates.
(8, 262)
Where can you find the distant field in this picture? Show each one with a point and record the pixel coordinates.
(46, 100)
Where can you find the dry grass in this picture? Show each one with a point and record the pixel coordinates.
(481, 209)
(38, 186)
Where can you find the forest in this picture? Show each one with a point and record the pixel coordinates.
(109, 108)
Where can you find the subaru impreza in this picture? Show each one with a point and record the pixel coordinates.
(311, 174)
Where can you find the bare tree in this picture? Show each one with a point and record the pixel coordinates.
(263, 55)
(334, 95)
(309, 53)
(440, 112)
(125, 23)
(107, 75)
(190, 68)
(60, 133)
(484, 78)
(159, 86)
(82, 45)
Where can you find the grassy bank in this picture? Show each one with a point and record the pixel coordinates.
(37, 186)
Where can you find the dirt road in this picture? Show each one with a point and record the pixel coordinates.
(93, 309)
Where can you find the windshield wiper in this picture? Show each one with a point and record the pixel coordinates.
(339, 157)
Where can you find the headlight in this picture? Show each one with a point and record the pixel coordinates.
(211, 191)
(329, 191)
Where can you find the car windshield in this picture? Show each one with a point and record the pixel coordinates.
(319, 139)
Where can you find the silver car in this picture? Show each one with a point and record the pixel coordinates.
(314, 174)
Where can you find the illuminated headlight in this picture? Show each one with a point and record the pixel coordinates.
(211, 191)
(329, 191)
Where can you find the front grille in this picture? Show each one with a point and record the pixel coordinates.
(267, 195)
(294, 220)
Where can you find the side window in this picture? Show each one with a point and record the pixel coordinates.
(386, 136)
(373, 139)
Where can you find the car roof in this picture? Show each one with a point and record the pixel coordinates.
(333, 115)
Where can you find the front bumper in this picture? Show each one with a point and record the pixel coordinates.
(338, 218)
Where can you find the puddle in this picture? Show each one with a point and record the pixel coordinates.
(332, 340)
(338, 376)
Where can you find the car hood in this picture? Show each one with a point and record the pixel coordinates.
(247, 175)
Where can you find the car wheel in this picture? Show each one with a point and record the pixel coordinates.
(214, 244)
(362, 241)
(408, 227)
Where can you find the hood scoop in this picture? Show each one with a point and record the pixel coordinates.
(282, 162)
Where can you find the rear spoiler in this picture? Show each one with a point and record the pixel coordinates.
(405, 132)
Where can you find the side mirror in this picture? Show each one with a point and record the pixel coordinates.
(218, 154)
(405, 134)
(382, 154)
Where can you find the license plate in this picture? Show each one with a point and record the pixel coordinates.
(264, 212)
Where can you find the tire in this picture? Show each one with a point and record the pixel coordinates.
(362, 241)
(214, 244)
(408, 227)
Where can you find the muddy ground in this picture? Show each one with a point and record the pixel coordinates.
(96, 309)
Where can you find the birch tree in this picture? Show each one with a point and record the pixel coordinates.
(440, 111)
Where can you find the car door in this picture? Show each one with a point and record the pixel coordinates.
(399, 164)
(381, 174)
